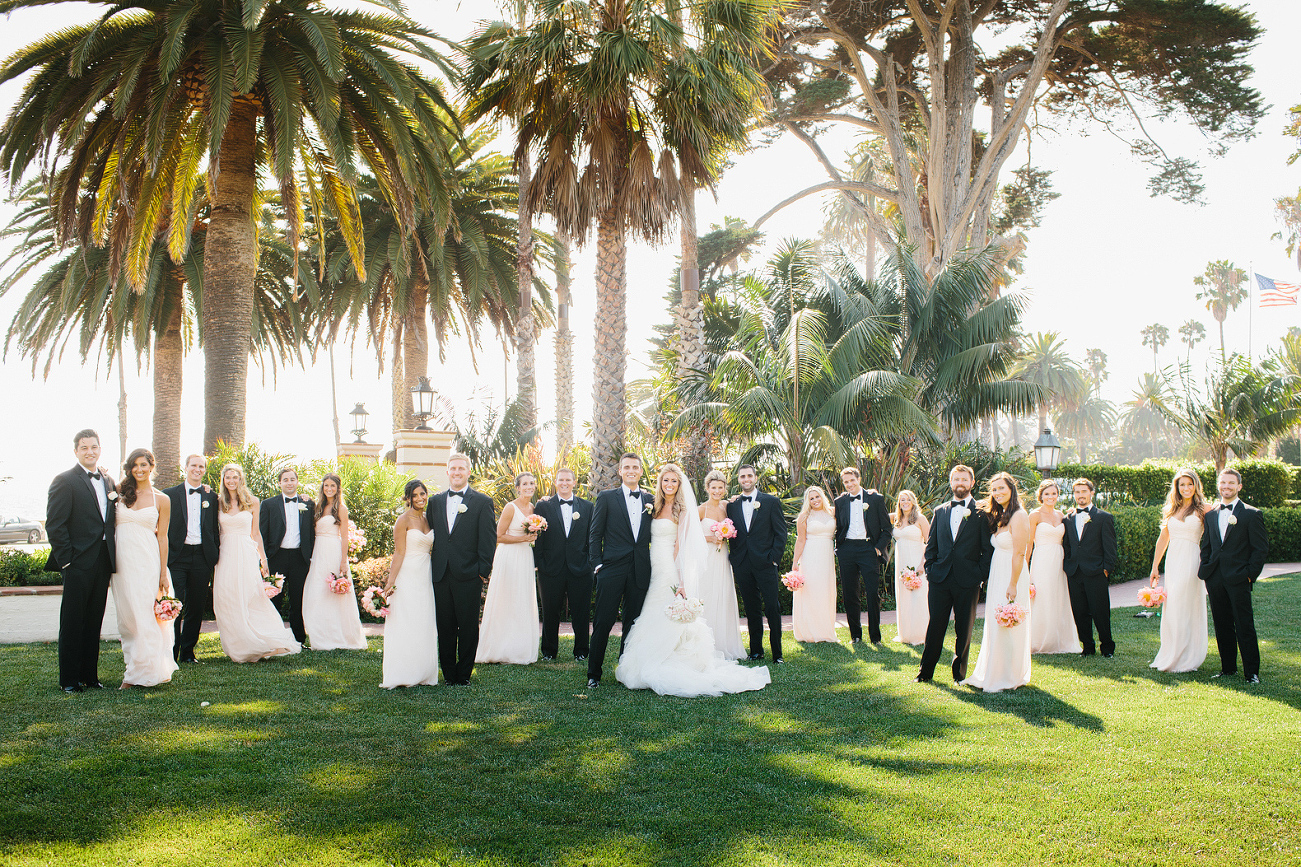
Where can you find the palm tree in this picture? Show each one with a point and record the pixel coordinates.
(564, 345)
(1090, 419)
(1095, 361)
(1222, 290)
(619, 117)
(1155, 336)
(1192, 333)
(133, 108)
(1146, 413)
(1046, 363)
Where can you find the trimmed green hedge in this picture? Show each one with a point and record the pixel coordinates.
(20, 569)
(1137, 529)
(1265, 484)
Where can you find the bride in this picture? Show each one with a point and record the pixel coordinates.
(669, 657)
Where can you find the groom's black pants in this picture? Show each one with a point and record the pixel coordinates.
(192, 582)
(81, 616)
(857, 558)
(456, 613)
(945, 598)
(1235, 625)
(616, 583)
(289, 562)
(758, 584)
(1091, 606)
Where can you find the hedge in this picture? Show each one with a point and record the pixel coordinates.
(21, 569)
(1137, 529)
(1266, 484)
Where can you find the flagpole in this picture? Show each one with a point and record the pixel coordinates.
(1251, 308)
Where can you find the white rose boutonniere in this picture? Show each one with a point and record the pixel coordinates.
(649, 507)
(112, 495)
(963, 512)
(757, 504)
(574, 516)
(302, 507)
(461, 509)
(1233, 519)
(866, 506)
(1088, 518)
(205, 504)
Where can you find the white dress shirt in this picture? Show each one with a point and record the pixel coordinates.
(857, 529)
(293, 536)
(454, 506)
(955, 516)
(193, 503)
(748, 506)
(1224, 516)
(567, 513)
(1081, 518)
(101, 495)
(635, 510)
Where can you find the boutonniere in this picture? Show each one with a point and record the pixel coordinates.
(757, 504)
(302, 507)
(574, 516)
(461, 509)
(1087, 517)
(1233, 519)
(204, 505)
(112, 495)
(650, 507)
(866, 506)
(963, 512)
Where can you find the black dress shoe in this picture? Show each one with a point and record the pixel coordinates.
(548, 659)
(95, 685)
(1222, 674)
(858, 640)
(1087, 652)
(755, 657)
(580, 657)
(593, 683)
(777, 660)
(1108, 655)
(72, 689)
(920, 679)
(1253, 678)
(189, 659)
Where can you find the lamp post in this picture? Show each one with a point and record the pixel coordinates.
(1047, 452)
(359, 416)
(422, 398)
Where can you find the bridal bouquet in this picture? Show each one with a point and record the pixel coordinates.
(1009, 614)
(910, 578)
(793, 580)
(683, 610)
(535, 524)
(339, 584)
(1151, 597)
(273, 585)
(167, 609)
(374, 603)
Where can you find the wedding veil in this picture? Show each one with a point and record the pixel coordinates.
(693, 550)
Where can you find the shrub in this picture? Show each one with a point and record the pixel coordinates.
(1284, 529)
(1265, 484)
(372, 492)
(261, 470)
(370, 573)
(21, 569)
(1137, 529)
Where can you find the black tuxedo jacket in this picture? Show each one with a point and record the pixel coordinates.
(765, 540)
(209, 534)
(609, 538)
(876, 520)
(73, 521)
(1093, 551)
(464, 554)
(271, 524)
(963, 558)
(1240, 556)
(554, 553)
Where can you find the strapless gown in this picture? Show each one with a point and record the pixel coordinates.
(1183, 616)
(332, 620)
(247, 621)
(146, 642)
(1004, 660)
(718, 594)
(511, 630)
(912, 611)
(813, 606)
(1052, 628)
(674, 658)
(410, 632)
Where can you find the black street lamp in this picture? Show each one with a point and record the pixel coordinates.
(422, 399)
(1047, 452)
(359, 416)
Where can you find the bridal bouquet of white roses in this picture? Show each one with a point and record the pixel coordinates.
(682, 609)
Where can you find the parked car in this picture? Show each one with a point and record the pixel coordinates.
(21, 530)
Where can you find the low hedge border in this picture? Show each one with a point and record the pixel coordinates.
(1266, 484)
(21, 569)
(1137, 529)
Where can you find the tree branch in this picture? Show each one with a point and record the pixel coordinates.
(851, 186)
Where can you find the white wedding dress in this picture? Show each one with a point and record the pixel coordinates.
(674, 658)
(147, 641)
(248, 624)
(1183, 616)
(911, 607)
(331, 620)
(1052, 624)
(1004, 660)
(411, 629)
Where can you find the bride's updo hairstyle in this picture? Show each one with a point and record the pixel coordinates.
(243, 500)
(659, 490)
(127, 490)
(1175, 504)
(410, 491)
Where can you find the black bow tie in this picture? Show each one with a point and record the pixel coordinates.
(856, 497)
(959, 503)
(569, 503)
(636, 494)
(1228, 507)
(746, 499)
(291, 499)
(458, 494)
(95, 476)
(189, 491)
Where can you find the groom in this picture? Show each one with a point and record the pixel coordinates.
(755, 551)
(287, 523)
(619, 553)
(80, 525)
(193, 539)
(1234, 548)
(465, 539)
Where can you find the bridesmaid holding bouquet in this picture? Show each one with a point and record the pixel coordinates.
(512, 629)
(331, 618)
(814, 604)
(1052, 629)
(717, 591)
(912, 608)
(410, 630)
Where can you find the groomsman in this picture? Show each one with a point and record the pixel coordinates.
(465, 539)
(619, 554)
(1234, 548)
(192, 546)
(561, 555)
(863, 532)
(80, 525)
(287, 523)
(958, 553)
(755, 553)
(1089, 558)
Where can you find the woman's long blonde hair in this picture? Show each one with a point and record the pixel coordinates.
(243, 496)
(806, 509)
(1175, 504)
(898, 518)
(659, 491)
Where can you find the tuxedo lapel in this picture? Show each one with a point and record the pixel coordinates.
(89, 484)
(946, 524)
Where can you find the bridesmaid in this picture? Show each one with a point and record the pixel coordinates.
(143, 516)
(331, 619)
(718, 588)
(511, 630)
(911, 530)
(410, 631)
(814, 606)
(1183, 617)
(1004, 660)
(1052, 629)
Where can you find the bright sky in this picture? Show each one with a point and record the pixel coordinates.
(1107, 261)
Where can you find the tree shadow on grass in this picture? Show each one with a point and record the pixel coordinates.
(1032, 704)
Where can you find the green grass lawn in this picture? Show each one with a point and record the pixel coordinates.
(842, 760)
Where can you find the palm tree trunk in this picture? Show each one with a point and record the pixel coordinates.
(415, 347)
(525, 327)
(334, 400)
(609, 400)
(121, 406)
(229, 266)
(564, 347)
(691, 329)
(402, 406)
(1223, 356)
(1014, 423)
(169, 354)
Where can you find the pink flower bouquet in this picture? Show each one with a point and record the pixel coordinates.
(1032, 592)
(339, 584)
(723, 529)
(535, 524)
(1009, 614)
(682, 610)
(793, 580)
(1151, 597)
(910, 578)
(374, 603)
(167, 609)
(273, 585)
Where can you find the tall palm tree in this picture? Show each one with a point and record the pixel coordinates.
(618, 116)
(1146, 413)
(1090, 419)
(564, 344)
(1222, 290)
(1192, 333)
(1095, 361)
(129, 112)
(1046, 363)
(1155, 335)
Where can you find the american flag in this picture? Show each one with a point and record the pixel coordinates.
(1276, 293)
